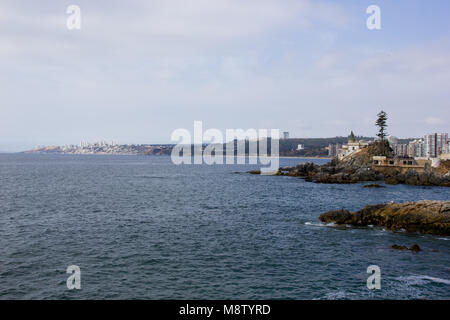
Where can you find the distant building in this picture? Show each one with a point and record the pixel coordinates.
(416, 148)
(285, 135)
(435, 144)
(333, 149)
(400, 149)
(300, 147)
(351, 147)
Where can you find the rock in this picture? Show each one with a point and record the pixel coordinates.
(373, 186)
(435, 180)
(358, 168)
(391, 180)
(426, 216)
(401, 178)
(292, 173)
(397, 247)
(424, 179)
(336, 216)
(414, 248)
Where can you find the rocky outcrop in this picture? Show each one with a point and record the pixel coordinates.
(412, 177)
(424, 216)
(331, 173)
(358, 168)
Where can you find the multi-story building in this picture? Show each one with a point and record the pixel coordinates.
(435, 144)
(285, 135)
(445, 144)
(400, 149)
(333, 149)
(416, 148)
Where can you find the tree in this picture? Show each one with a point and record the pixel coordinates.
(381, 123)
(351, 136)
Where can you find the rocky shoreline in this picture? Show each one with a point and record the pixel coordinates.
(360, 168)
(344, 173)
(426, 216)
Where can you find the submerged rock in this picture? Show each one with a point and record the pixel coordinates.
(397, 247)
(414, 247)
(373, 186)
(424, 216)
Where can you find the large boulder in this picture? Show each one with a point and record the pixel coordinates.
(424, 216)
(336, 216)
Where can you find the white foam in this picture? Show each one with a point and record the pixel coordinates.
(315, 224)
(339, 295)
(422, 279)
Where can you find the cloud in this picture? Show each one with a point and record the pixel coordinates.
(139, 70)
(434, 121)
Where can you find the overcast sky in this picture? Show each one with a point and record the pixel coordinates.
(137, 70)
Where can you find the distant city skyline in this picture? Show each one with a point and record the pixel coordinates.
(136, 71)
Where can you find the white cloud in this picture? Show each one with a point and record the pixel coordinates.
(434, 121)
(138, 70)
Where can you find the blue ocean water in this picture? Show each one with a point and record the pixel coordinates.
(140, 227)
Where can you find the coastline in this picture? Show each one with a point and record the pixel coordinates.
(140, 154)
(301, 157)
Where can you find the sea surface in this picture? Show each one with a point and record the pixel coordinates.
(140, 227)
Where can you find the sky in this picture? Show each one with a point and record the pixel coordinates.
(138, 70)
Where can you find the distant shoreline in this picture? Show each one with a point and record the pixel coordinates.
(133, 154)
(302, 157)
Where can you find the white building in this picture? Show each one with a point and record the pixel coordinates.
(416, 148)
(435, 144)
(351, 147)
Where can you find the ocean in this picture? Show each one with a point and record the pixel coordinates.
(140, 227)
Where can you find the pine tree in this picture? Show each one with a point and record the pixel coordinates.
(381, 123)
(351, 136)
